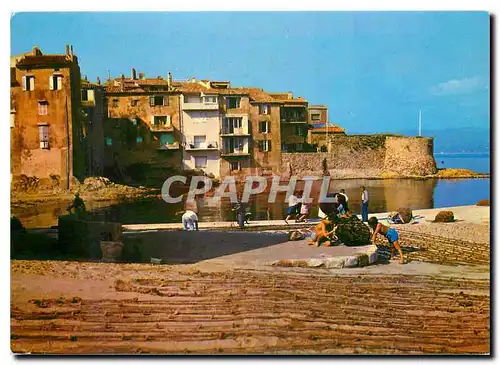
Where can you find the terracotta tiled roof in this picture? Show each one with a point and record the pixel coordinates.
(151, 82)
(259, 96)
(330, 129)
(43, 60)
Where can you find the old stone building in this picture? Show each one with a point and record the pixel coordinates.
(318, 115)
(47, 135)
(94, 113)
(294, 122)
(142, 130)
(319, 136)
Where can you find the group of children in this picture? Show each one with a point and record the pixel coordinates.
(324, 232)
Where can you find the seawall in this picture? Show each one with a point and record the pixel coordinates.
(365, 156)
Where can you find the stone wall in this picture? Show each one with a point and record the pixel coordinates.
(410, 156)
(365, 156)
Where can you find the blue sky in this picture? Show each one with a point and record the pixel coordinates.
(374, 70)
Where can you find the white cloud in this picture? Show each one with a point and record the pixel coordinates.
(462, 86)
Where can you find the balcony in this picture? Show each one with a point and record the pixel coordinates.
(168, 146)
(294, 120)
(231, 132)
(162, 128)
(200, 106)
(235, 153)
(204, 146)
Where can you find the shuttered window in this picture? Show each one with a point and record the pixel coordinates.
(28, 83)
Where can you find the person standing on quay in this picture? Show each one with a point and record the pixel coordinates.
(364, 204)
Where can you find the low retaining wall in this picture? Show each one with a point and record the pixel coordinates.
(175, 247)
(83, 238)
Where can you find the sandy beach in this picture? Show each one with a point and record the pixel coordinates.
(436, 303)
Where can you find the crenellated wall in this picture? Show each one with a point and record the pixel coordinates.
(358, 156)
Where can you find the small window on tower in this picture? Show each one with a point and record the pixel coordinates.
(43, 107)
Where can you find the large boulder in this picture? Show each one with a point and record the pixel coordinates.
(406, 214)
(353, 232)
(96, 183)
(445, 216)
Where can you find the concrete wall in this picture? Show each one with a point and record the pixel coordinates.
(361, 156)
(189, 247)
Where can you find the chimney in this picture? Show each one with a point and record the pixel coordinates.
(169, 80)
(123, 83)
(142, 76)
(86, 79)
(71, 51)
(98, 80)
(134, 74)
(36, 51)
(67, 50)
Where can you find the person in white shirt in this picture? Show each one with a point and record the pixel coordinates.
(190, 221)
(293, 207)
(364, 204)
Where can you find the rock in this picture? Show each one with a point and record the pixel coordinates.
(406, 214)
(483, 203)
(351, 261)
(295, 236)
(96, 183)
(445, 216)
(352, 232)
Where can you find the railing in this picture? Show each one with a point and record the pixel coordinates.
(294, 120)
(210, 145)
(162, 127)
(234, 131)
(169, 146)
(234, 152)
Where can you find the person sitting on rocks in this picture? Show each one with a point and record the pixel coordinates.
(324, 233)
(390, 233)
(78, 205)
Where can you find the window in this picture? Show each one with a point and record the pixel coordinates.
(233, 102)
(192, 99)
(264, 126)
(55, 82)
(162, 121)
(138, 139)
(200, 162)
(230, 124)
(315, 117)
(199, 141)
(298, 146)
(43, 131)
(115, 103)
(109, 141)
(157, 100)
(264, 146)
(284, 147)
(234, 165)
(134, 102)
(210, 99)
(87, 95)
(29, 82)
(299, 130)
(43, 107)
(264, 109)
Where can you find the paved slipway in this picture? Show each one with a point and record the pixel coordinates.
(436, 303)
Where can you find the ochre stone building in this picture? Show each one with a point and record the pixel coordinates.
(47, 138)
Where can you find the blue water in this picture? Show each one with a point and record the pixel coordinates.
(476, 162)
(448, 193)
